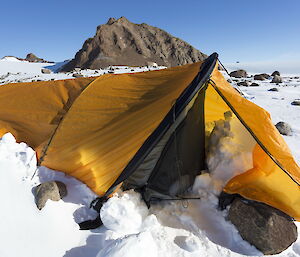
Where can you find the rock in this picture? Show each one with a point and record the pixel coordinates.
(275, 73)
(268, 229)
(274, 89)
(284, 128)
(238, 74)
(259, 77)
(46, 71)
(243, 84)
(53, 190)
(266, 76)
(254, 84)
(276, 79)
(295, 102)
(77, 75)
(33, 58)
(121, 42)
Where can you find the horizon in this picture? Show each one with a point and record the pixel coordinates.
(251, 32)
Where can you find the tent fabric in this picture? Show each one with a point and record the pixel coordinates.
(31, 111)
(267, 182)
(104, 126)
(92, 128)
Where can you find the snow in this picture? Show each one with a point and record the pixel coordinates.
(10, 59)
(139, 245)
(13, 70)
(186, 228)
(124, 214)
(230, 151)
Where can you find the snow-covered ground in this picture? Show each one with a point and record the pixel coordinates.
(13, 70)
(169, 228)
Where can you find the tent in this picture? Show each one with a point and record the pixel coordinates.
(147, 130)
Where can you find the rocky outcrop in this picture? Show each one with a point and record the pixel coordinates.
(51, 190)
(121, 42)
(33, 58)
(268, 229)
(238, 74)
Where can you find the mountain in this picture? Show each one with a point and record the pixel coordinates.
(121, 42)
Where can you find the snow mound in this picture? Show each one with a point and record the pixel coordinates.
(11, 59)
(124, 213)
(139, 245)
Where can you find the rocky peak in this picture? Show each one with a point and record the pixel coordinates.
(110, 21)
(121, 42)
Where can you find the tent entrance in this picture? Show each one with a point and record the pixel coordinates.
(172, 165)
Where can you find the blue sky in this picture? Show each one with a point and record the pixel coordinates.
(244, 30)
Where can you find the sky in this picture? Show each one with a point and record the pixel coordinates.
(246, 31)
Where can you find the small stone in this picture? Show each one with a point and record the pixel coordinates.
(254, 84)
(268, 229)
(53, 190)
(77, 75)
(284, 128)
(274, 89)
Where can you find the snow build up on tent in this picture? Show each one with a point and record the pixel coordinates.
(148, 131)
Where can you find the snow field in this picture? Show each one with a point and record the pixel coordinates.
(169, 228)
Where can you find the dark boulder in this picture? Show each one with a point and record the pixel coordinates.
(268, 229)
(275, 73)
(53, 190)
(254, 84)
(259, 77)
(238, 74)
(276, 79)
(295, 102)
(274, 89)
(284, 128)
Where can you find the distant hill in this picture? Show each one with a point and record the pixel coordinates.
(121, 42)
(33, 58)
(29, 58)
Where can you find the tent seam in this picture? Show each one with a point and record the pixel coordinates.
(45, 148)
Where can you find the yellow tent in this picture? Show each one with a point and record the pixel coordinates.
(147, 130)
